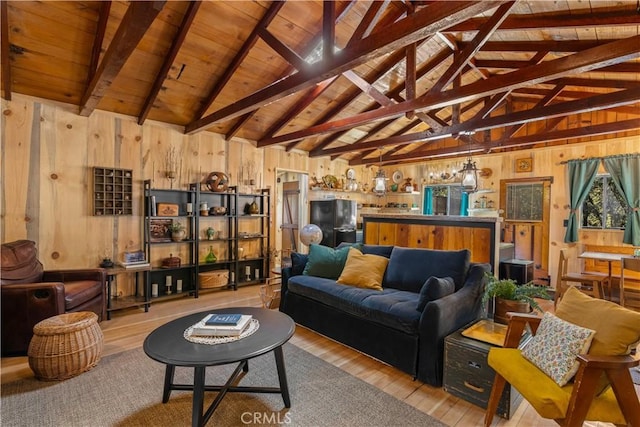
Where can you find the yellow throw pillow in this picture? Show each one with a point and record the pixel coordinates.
(363, 271)
(617, 328)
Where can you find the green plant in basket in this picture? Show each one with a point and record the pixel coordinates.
(508, 289)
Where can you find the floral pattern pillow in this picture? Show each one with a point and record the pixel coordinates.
(555, 346)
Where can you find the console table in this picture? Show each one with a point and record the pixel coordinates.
(118, 303)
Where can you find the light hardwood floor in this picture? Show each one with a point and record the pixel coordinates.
(127, 330)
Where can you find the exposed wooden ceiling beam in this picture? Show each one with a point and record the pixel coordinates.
(134, 24)
(426, 68)
(382, 68)
(283, 50)
(328, 30)
(169, 58)
(584, 61)
(518, 142)
(344, 8)
(413, 28)
(463, 56)
(586, 18)
(101, 27)
(6, 63)
(237, 60)
(597, 102)
(536, 46)
(506, 65)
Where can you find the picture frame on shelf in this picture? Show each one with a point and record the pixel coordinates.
(168, 209)
(159, 230)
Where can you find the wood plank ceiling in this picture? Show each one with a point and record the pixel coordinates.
(401, 81)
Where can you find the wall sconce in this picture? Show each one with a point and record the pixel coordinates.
(469, 176)
(171, 165)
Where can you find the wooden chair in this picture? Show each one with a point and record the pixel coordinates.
(629, 296)
(574, 403)
(590, 284)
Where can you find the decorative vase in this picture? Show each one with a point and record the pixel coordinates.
(211, 257)
(211, 233)
(503, 306)
(253, 208)
(178, 236)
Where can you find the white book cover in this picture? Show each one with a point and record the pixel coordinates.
(220, 330)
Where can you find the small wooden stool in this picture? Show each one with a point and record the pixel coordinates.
(66, 345)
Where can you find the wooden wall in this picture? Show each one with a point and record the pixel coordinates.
(48, 151)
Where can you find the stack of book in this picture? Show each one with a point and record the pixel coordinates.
(135, 259)
(135, 264)
(222, 325)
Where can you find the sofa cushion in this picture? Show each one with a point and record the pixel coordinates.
(298, 262)
(382, 250)
(435, 288)
(409, 267)
(19, 262)
(325, 262)
(390, 307)
(79, 292)
(363, 270)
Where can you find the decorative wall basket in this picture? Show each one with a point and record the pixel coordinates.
(217, 182)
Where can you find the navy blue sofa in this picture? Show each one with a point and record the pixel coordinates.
(387, 324)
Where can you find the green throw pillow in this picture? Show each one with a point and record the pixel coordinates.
(325, 261)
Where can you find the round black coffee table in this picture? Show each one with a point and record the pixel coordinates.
(167, 345)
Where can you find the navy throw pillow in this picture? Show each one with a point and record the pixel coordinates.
(435, 288)
(298, 261)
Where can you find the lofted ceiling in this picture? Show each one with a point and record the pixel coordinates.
(367, 81)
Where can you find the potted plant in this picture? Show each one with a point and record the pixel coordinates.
(508, 296)
(178, 231)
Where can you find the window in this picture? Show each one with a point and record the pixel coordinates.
(524, 201)
(604, 207)
(445, 200)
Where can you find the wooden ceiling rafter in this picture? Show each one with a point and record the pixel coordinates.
(424, 69)
(308, 98)
(463, 56)
(597, 102)
(328, 30)
(387, 65)
(101, 28)
(5, 47)
(135, 23)
(584, 18)
(413, 28)
(580, 62)
(518, 142)
(264, 22)
(169, 58)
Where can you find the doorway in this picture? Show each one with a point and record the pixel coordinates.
(526, 204)
(291, 212)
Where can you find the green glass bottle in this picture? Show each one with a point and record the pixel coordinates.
(211, 257)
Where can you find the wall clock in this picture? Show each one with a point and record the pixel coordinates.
(351, 173)
(524, 164)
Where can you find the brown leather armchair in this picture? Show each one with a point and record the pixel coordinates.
(29, 294)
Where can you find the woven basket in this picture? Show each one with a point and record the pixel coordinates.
(213, 279)
(66, 345)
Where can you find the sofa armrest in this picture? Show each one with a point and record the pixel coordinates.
(445, 316)
(285, 274)
(22, 306)
(97, 274)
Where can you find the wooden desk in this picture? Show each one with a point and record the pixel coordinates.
(608, 257)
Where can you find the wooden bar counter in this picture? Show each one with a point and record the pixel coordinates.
(481, 235)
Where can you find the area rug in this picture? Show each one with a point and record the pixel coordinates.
(125, 389)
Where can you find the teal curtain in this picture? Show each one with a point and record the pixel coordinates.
(427, 203)
(464, 204)
(625, 173)
(582, 173)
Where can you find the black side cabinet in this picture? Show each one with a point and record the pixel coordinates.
(468, 376)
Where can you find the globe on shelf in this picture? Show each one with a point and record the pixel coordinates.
(310, 233)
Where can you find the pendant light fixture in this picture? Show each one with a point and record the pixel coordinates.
(380, 180)
(469, 175)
